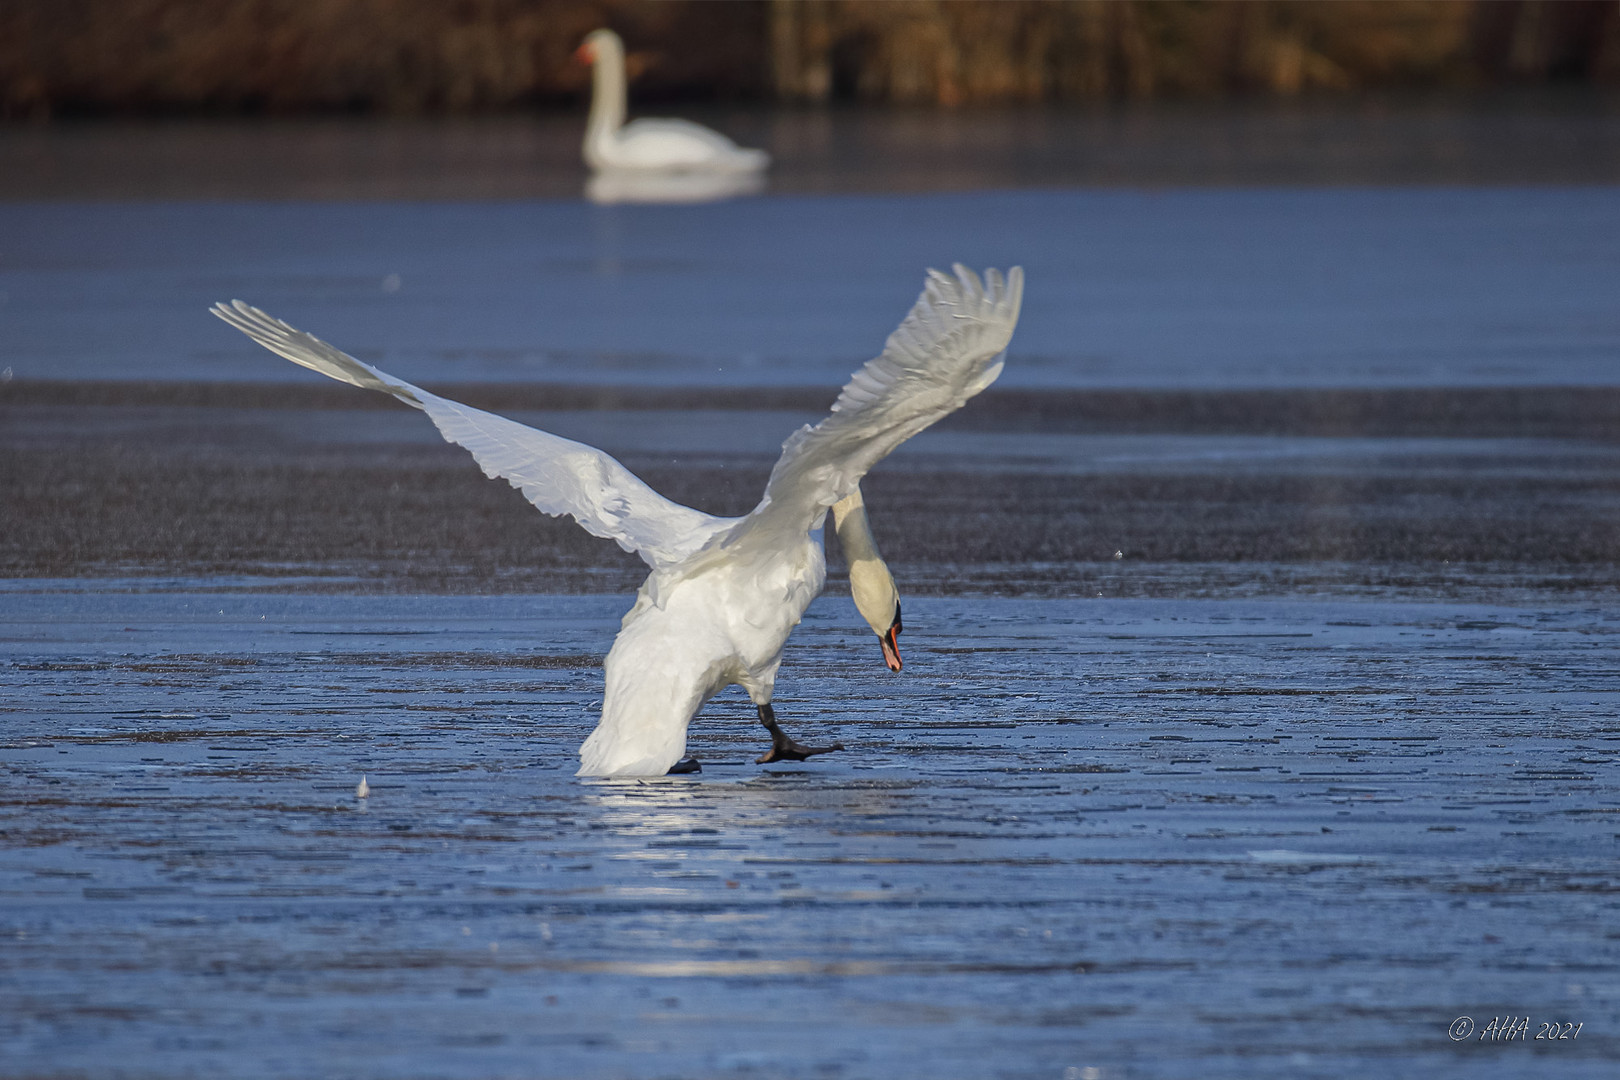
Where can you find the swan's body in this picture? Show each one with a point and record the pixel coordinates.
(648, 145)
(609, 186)
(724, 593)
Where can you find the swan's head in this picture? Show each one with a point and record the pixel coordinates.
(878, 601)
(598, 44)
(870, 582)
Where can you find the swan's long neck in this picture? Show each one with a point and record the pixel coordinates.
(607, 98)
(870, 582)
(854, 531)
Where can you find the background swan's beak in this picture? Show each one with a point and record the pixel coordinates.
(585, 54)
(891, 647)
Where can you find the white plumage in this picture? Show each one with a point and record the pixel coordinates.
(648, 145)
(724, 593)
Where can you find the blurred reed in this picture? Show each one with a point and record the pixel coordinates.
(68, 57)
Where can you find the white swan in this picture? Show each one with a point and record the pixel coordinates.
(607, 187)
(661, 145)
(724, 593)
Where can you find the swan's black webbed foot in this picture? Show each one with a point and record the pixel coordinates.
(685, 765)
(783, 746)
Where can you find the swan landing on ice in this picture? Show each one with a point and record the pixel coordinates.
(724, 593)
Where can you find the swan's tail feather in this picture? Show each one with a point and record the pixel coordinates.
(309, 351)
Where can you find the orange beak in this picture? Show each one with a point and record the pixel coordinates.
(891, 647)
(585, 54)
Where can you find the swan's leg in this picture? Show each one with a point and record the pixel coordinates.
(783, 747)
(685, 765)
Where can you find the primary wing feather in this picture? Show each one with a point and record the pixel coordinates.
(946, 350)
(557, 475)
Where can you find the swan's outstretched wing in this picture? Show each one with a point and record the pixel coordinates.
(950, 347)
(557, 475)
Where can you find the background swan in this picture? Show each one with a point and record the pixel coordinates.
(724, 593)
(609, 186)
(670, 145)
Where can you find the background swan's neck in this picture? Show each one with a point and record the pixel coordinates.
(607, 94)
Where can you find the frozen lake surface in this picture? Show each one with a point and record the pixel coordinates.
(1259, 715)
(1217, 288)
(1201, 838)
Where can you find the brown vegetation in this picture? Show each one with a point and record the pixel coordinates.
(1029, 50)
(396, 56)
(411, 56)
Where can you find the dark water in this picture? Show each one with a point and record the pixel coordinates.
(1490, 502)
(1149, 838)
(1503, 138)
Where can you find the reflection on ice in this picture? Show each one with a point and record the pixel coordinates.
(654, 186)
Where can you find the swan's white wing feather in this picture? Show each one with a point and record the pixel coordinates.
(557, 475)
(949, 348)
(309, 351)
